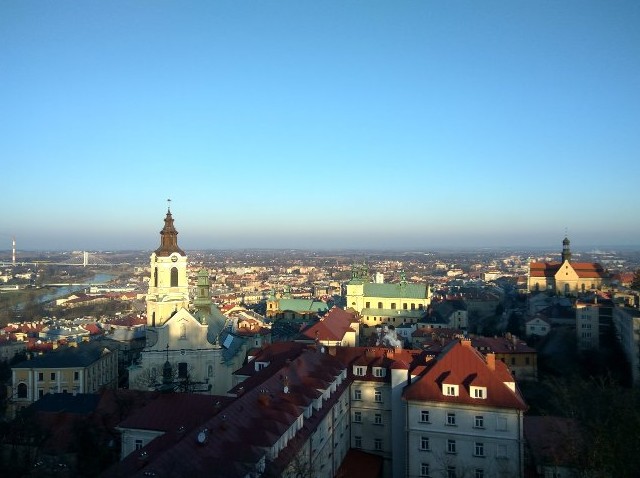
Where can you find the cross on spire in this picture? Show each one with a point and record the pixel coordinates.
(169, 204)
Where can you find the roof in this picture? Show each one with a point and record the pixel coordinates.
(332, 327)
(585, 270)
(360, 463)
(81, 404)
(232, 442)
(403, 290)
(302, 305)
(460, 364)
(171, 411)
(67, 357)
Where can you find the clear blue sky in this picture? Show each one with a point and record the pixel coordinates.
(333, 124)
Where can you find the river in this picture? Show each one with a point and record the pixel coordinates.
(66, 290)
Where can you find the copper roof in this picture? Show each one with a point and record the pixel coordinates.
(168, 238)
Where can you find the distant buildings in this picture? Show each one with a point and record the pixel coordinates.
(627, 325)
(566, 277)
(390, 304)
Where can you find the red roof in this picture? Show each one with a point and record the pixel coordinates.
(460, 364)
(585, 270)
(332, 327)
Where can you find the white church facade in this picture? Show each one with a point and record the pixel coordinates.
(188, 347)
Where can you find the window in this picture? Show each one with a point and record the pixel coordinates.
(450, 390)
(22, 390)
(424, 416)
(377, 396)
(451, 419)
(501, 424)
(501, 451)
(513, 360)
(478, 421)
(479, 449)
(379, 305)
(393, 305)
(183, 331)
(377, 419)
(76, 376)
(40, 392)
(210, 371)
(527, 360)
(40, 377)
(53, 375)
(357, 417)
(451, 471)
(357, 442)
(479, 473)
(479, 392)
(367, 305)
(174, 277)
(424, 470)
(378, 371)
(413, 306)
(451, 446)
(360, 371)
(357, 394)
(404, 306)
(377, 444)
(424, 443)
(182, 370)
(138, 444)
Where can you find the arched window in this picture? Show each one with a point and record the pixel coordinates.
(183, 331)
(153, 319)
(22, 390)
(174, 277)
(155, 277)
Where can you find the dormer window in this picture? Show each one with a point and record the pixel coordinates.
(479, 392)
(359, 370)
(450, 390)
(379, 372)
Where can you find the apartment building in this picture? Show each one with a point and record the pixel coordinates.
(84, 368)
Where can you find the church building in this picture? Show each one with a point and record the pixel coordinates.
(566, 277)
(188, 346)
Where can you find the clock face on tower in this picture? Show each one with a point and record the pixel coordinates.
(174, 258)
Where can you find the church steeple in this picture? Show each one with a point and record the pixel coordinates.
(566, 251)
(168, 238)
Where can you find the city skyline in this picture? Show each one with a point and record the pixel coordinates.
(341, 125)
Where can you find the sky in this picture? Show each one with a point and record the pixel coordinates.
(333, 124)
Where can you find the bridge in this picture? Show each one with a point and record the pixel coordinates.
(82, 258)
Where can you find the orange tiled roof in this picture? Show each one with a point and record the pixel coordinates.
(469, 365)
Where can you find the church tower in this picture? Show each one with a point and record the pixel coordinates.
(202, 301)
(566, 251)
(168, 286)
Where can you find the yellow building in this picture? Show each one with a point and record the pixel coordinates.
(390, 304)
(85, 368)
(566, 277)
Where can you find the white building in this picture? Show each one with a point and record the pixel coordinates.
(464, 417)
(193, 341)
(627, 323)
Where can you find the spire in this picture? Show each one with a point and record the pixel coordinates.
(566, 251)
(168, 237)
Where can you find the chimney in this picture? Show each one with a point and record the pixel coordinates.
(465, 342)
(491, 361)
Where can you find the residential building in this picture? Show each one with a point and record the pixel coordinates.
(83, 368)
(464, 416)
(627, 324)
(538, 326)
(336, 327)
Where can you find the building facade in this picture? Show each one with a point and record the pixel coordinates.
(85, 368)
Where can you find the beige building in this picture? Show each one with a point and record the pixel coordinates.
(85, 368)
(566, 277)
(390, 304)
